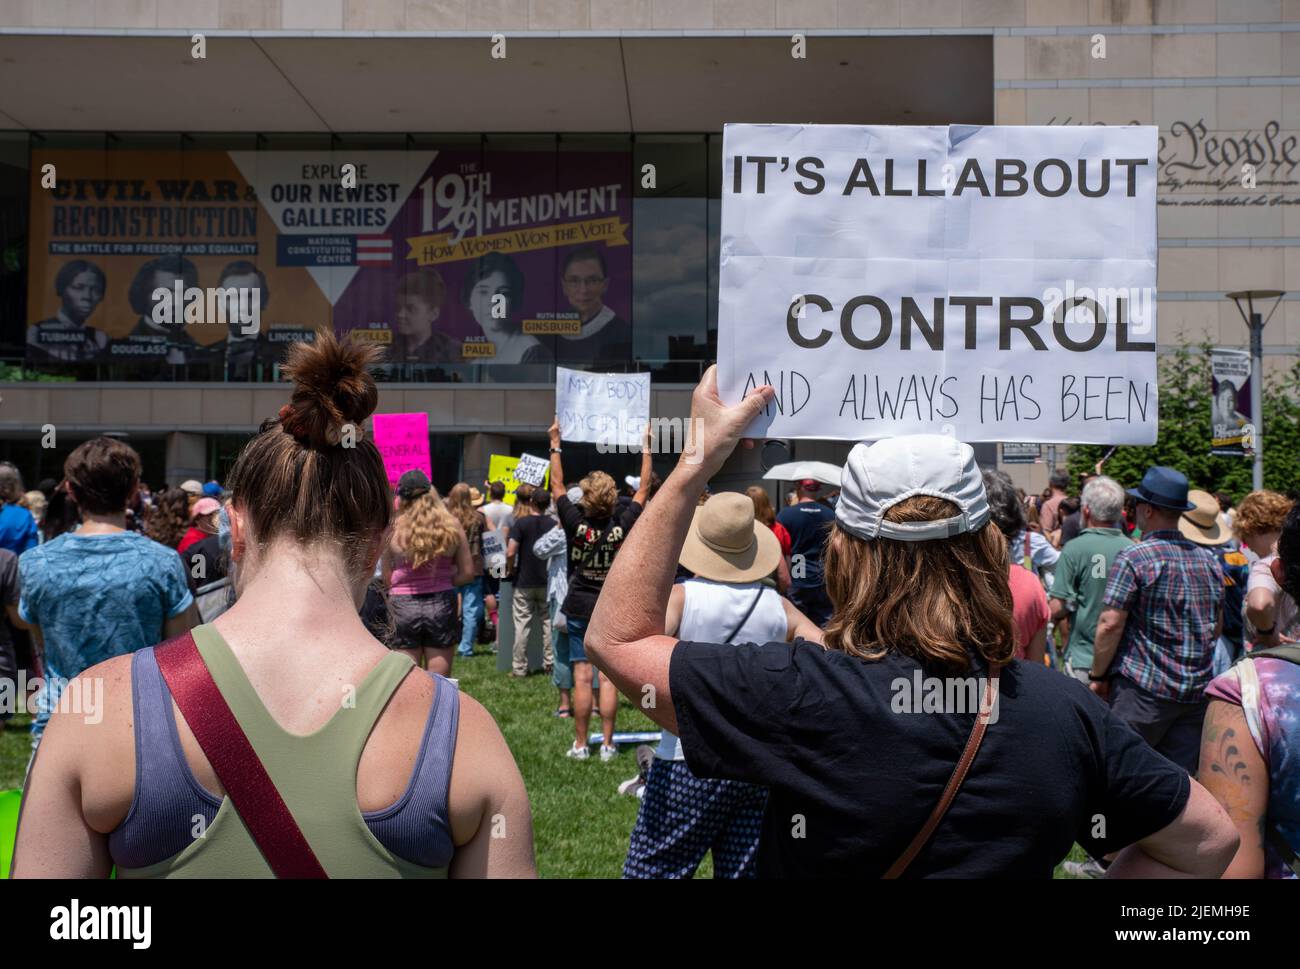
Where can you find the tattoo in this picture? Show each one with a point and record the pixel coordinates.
(1228, 767)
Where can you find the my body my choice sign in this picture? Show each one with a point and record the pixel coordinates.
(996, 283)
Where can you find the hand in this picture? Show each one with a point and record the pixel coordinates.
(1101, 688)
(716, 428)
(554, 432)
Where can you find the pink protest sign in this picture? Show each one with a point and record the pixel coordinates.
(403, 440)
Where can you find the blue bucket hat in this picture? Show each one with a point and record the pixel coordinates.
(1164, 488)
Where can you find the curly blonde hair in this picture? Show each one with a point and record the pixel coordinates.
(598, 494)
(425, 529)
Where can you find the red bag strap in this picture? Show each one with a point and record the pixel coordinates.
(958, 775)
(236, 764)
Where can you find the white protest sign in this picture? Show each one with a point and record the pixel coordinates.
(610, 409)
(995, 283)
(531, 469)
(494, 554)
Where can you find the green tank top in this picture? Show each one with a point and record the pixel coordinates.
(316, 776)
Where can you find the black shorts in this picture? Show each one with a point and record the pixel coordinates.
(427, 619)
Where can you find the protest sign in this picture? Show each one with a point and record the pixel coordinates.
(532, 469)
(608, 409)
(403, 441)
(501, 467)
(494, 554)
(1231, 433)
(995, 283)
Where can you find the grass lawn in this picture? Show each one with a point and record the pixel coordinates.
(580, 822)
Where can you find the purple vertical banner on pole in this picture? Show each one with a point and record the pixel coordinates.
(403, 441)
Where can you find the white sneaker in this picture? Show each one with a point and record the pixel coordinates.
(608, 753)
(1083, 869)
(578, 753)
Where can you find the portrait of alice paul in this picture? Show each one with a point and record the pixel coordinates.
(493, 292)
(65, 336)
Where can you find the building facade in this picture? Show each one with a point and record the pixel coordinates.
(611, 109)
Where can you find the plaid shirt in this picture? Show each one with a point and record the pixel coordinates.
(1172, 590)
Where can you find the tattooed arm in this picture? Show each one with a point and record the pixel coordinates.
(1235, 773)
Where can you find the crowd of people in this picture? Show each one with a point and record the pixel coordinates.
(922, 670)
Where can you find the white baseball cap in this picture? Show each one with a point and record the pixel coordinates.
(880, 475)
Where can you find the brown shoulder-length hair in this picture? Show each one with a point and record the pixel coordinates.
(934, 601)
(763, 509)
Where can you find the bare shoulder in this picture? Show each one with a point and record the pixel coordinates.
(91, 736)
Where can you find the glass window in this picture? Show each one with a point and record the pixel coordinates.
(670, 249)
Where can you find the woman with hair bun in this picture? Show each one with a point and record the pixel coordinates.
(305, 747)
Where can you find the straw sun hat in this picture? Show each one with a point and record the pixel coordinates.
(1204, 524)
(726, 544)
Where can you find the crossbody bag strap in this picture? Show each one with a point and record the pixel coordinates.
(745, 618)
(958, 776)
(234, 761)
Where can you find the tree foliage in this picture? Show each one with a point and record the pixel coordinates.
(1184, 433)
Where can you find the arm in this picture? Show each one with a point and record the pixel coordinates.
(183, 623)
(512, 549)
(1234, 772)
(1110, 628)
(551, 544)
(647, 467)
(464, 561)
(1060, 609)
(491, 821)
(11, 610)
(626, 639)
(782, 576)
(676, 602)
(1036, 648)
(1260, 610)
(1198, 844)
(81, 782)
(557, 467)
(799, 626)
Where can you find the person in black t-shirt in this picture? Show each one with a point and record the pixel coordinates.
(595, 532)
(857, 737)
(809, 523)
(529, 597)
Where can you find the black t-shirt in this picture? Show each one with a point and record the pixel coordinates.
(593, 543)
(809, 524)
(853, 774)
(531, 571)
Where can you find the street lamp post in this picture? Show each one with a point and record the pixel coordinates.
(1255, 322)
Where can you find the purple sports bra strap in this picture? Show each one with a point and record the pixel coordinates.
(236, 764)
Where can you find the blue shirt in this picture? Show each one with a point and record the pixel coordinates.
(809, 524)
(17, 529)
(100, 596)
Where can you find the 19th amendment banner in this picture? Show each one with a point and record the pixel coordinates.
(440, 257)
(996, 283)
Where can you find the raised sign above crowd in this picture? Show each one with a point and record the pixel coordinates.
(997, 283)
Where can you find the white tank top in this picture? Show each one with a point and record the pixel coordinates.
(711, 612)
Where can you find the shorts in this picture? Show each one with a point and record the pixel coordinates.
(429, 619)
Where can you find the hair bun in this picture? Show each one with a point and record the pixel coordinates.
(332, 387)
